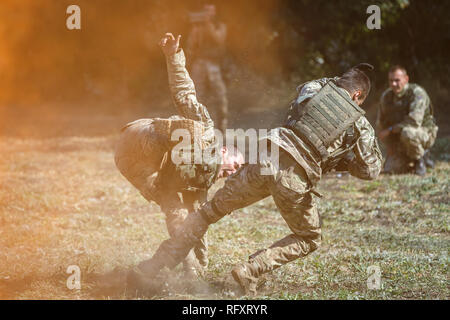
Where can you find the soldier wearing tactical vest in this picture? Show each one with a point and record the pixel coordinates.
(406, 124)
(325, 128)
(143, 154)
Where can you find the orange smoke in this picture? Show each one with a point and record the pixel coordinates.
(114, 58)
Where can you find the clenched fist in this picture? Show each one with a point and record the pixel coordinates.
(169, 45)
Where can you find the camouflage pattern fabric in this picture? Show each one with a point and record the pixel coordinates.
(323, 118)
(143, 156)
(417, 140)
(288, 185)
(291, 184)
(139, 153)
(176, 211)
(367, 161)
(411, 112)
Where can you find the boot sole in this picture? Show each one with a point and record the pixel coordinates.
(238, 279)
(244, 288)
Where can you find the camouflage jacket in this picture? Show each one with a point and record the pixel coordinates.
(189, 176)
(367, 160)
(412, 107)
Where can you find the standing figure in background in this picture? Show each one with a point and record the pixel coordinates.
(205, 49)
(406, 124)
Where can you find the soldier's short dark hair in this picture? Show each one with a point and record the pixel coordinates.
(397, 67)
(356, 79)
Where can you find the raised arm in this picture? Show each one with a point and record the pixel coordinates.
(367, 162)
(181, 85)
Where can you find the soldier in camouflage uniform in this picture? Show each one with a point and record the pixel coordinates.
(325, 128)
(406, 124)
(205, 49)
(143, 155)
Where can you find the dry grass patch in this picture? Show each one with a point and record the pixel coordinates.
(62, 202)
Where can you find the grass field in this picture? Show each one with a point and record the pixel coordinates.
(62, 203)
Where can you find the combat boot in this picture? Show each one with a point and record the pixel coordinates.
(246, 277)
(192, 267)
(429, 163)
(145, 278)
(419, 167)
(141, 284)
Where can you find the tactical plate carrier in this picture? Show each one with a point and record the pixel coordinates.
(324, 118)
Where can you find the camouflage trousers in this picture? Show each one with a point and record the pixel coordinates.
(417, 140)
(138, 156)
(210, 87)
(410, 145)
(286, 183)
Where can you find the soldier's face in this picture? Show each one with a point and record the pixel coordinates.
(231, 163)
(397, 80)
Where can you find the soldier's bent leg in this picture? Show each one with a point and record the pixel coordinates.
(414, 141)
(199, 75)
(201, 252)
(245, 187)
(193, 200)
(183, 238)
(173, 250)
(303, 241)
(222, 103)
(219, 92)
(174, 220)
(295, 202)
(280, 253)
(222, 110)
